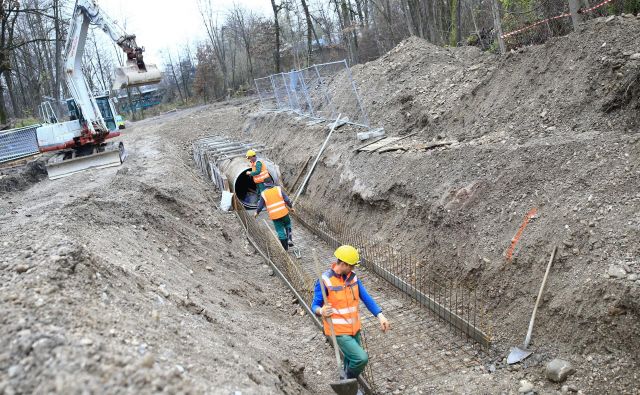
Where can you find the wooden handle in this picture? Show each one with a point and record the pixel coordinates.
(527, 339)
(328, 319)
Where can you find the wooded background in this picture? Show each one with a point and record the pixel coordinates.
(242, 45)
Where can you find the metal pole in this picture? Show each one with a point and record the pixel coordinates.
(353, 85)
(313, 166)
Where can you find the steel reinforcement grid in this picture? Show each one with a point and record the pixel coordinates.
(321, 91)
(439, 326)
(18, 143)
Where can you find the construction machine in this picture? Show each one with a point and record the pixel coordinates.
(82, 141)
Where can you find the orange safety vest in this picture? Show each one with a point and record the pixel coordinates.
(264, 173)
(344, 297)
(274, 202)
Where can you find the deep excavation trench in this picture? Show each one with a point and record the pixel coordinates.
(426, 343)
(448, 220)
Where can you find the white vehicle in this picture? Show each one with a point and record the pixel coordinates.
(82, 141)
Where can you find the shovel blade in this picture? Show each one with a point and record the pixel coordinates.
(345, 387)
(517, 354)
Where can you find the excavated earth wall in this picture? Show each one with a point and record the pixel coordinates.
(551, 127)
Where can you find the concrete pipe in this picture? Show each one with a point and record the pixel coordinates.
(241, 184)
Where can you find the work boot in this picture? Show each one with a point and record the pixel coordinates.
(290, 237)
(350, 374)
(285, 244)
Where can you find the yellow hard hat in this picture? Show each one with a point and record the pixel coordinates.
(347, 254)
(251, 153)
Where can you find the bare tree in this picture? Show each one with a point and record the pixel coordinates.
(216, 37)
(276, 54)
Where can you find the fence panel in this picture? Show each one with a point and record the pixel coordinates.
(320, 91)
(18, 143)
(265, 91)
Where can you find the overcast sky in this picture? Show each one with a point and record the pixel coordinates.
(168, 24)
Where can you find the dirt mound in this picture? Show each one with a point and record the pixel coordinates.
(577, 83)
(20, 178)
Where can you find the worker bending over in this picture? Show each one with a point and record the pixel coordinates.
(344, 292)
(258, 171)
(278, 204)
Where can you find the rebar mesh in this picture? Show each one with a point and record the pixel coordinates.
(450, 300)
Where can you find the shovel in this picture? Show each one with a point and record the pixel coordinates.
(344, 386)
(518, 354)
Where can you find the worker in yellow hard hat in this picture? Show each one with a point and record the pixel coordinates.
(344, 292)
(258, 171)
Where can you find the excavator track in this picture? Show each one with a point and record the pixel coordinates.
(71, 162)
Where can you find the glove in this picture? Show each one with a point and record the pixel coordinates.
(326, 310)
(384, 324)
(247, 173)
(256, 215)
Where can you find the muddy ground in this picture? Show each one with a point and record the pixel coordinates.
(129, 279)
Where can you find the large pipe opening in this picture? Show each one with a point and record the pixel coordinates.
(246, 190)
(235, 170)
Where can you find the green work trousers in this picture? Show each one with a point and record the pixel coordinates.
(283, 227)
(260, 187)
(355, 357)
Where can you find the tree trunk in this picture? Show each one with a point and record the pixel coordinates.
(409, 16)
(495, 9)
(276, 25)
(17, 111)
(458, 23)
(310, 30)
(575, 17)
(349, 33)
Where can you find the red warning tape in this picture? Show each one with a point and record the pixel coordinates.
(582, 11)
(532, 213)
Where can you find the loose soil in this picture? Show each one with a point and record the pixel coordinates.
(105, 280)
(129, 280)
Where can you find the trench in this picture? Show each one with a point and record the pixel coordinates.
(437, 326)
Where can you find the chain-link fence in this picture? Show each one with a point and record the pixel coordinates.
(18, 143)
(322, 91)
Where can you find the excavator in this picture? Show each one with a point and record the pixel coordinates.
(81, 143)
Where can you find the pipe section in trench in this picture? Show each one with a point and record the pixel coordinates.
(241, 184)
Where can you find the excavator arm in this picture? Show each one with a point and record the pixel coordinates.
(134, 73)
